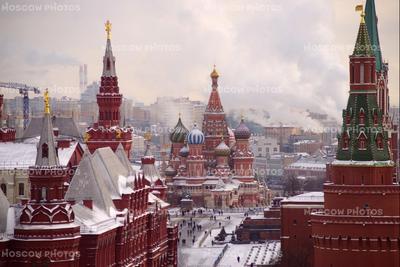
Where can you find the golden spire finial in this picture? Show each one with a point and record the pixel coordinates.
(46, 102)
(360, 8)
(108, 29)
(214, 73)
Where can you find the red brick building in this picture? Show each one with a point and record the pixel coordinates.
(360, 225)
(106, 216)
(296, 239)
(262, 227)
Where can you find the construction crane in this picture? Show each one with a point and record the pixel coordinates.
(23, 90)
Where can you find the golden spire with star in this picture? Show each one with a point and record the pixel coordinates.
(46, 102)
(360, 8)
(108, 29)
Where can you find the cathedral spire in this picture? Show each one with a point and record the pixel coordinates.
(108, 59)
(214, 102)
(46, 151)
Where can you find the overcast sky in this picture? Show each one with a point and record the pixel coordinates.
(282, 56)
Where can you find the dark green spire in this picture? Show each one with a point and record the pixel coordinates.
(363, 44)
(372, 25)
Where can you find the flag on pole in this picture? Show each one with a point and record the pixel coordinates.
(359, 8)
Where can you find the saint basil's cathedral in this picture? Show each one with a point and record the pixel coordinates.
(212, 167)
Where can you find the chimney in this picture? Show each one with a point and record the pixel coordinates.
(88, 203)
(64, 143)
(56, 131)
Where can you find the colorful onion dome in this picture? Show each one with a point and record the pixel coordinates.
(170, 171)
(195, 137)
(222, 149)
(242, 131)
(178, 135)
(184, 152)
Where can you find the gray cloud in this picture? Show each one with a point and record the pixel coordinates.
(268, 52)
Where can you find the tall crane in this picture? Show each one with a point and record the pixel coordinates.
(23, 90)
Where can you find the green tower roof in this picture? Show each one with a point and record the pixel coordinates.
(363, 44)
(372, 25)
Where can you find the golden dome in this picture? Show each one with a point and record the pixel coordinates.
(214, 73)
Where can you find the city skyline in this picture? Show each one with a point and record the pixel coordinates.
(172, 54)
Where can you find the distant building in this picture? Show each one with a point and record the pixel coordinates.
(264, 146)
(165, 109)
(263, 227)
(309, 166)
(307, 146)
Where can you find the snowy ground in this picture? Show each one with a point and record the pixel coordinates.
(201, 252)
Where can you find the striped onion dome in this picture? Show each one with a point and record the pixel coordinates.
(195, 137)
(222, 149)
(178, 135)
(242, 131)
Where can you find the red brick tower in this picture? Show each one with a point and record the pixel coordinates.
(242, 156)
(214, 123)
(195, 160)
(361, 219)
(107, 132)
(222, 152)
(46, 234)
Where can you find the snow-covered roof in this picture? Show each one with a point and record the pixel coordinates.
(306, 197)
(363, 163)
(258, 254)
(66, 127)
(22, 155)
(153, 199)
(93, 221)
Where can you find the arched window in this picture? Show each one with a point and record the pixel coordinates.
(45, 151)
(4, 188)
(375, 117)
(379, 141)
(362, 73)
(347, 118)
(44, 193)
(352, 73)
(361, 117)
(362, 141)
(108, 65)
(21, 189)
(372, 74)
(345, 141)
